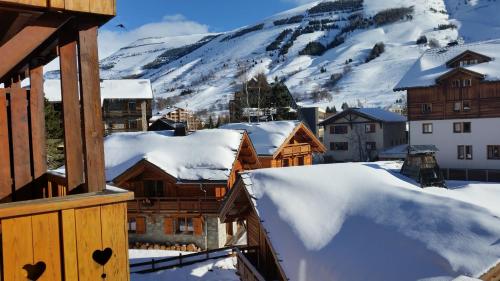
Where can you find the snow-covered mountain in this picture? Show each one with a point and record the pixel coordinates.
(203, 71)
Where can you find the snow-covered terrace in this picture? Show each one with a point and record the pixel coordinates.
(365, 221)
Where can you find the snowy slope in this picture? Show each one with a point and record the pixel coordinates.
(207, 70)
(327, 224)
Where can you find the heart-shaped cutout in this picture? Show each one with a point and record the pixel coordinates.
(102, 257)
(34, 271)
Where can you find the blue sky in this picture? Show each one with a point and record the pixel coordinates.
(148, 18)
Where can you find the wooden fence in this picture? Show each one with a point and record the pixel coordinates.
(181, 260)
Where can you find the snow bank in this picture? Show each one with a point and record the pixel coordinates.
(266, 137)
(432, 64)
(353, 220)
(203, 155)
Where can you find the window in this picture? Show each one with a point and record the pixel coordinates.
(370, 128)
(466, 105)
(286, 162)
(427, 128)
(132, 106)
(153, 188)
(132, 225)
(185, 225)
(370, 145)
(466, 127)
(426, 108)
(341, 146)
(132, 124)
(457, 106)
(467, 82)
(464, 152)
(462, 127)
(338, 129)
(301, 161)
(455, 83)
(494, 152)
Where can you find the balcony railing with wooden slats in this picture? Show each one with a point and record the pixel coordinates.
(205, 205)
(246, 270)
(296, 149)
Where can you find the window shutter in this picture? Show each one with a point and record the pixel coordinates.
(140, 225)
(198, 226)
(168, 226)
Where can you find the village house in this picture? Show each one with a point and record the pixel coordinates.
(126, 104)
(359, 134)
(179, 115)
(281, 143)
(178, 182)
(55, 227)
(454, 103)
(347, 221)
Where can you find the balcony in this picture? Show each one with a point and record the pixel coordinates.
(200, 205)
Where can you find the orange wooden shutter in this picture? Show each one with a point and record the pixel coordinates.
(168, 226)
(198, 226)
(140, 225)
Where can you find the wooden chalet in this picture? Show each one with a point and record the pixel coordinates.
(317, 231)
(282, 143)
(454, 104)
(179, 182)
(56, 228)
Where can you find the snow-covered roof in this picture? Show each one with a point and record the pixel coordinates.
(266, 137)
(206, 155)
(432, 64)
(376, 114)
(352, 220)
(110, 89)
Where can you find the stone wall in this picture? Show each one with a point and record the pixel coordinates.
(214, 234)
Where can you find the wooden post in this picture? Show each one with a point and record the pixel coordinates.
(5, 172)
(37, 107)
(93, 130)
(71, 113)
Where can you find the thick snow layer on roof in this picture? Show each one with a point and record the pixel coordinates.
(266, 137)
(204, 155)
(110, 89)
(432, 64)
(353, 220)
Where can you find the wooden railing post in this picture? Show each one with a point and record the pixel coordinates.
(71, 112)
(93, 129)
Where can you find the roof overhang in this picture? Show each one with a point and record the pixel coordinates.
(467, 52)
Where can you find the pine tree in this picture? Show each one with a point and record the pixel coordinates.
(345, 106)
(334, 109)
(210, 122)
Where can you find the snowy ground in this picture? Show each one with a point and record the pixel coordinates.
(212, 270)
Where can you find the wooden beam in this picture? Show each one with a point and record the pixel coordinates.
(71, 113)
(37, 107)
(21, 45)
(5, 172)
(20, 136)
(20, 20)
(93, 129)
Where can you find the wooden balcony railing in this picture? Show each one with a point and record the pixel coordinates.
(246, 270)
(296, 149)
(205, 205)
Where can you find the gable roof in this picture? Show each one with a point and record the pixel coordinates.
(325, 223)
(206, 155)
(374, 114)
(433, 64)
(110, 89)
(266, 137)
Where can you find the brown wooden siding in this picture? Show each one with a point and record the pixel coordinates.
(483, 97)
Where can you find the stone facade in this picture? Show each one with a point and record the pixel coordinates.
(214, 233)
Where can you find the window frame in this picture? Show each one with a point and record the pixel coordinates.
(459, 130)
(489, 152)
(372, 144)
(132, 108)
(426, 108)
(431, 126)
(334, 146)
(462, 152)
(370, 128)
(186, 230)
(333, 130)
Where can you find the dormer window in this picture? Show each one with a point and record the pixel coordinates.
(468, 62)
